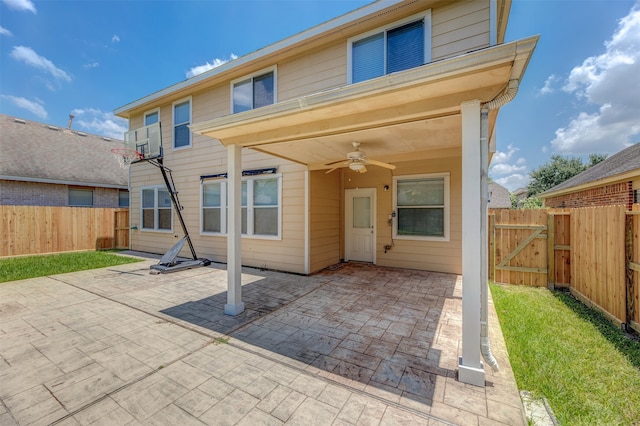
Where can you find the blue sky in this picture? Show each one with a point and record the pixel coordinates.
(580, 94)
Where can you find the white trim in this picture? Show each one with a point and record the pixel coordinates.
(147, 113)
(348, 214)
(447, 206)
(326, 27)
(259, 73)
(223, 207)
(470, 368)
(224, 213)
(425, 16)
(156, 215)
(173, 122)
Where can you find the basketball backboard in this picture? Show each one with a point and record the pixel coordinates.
(146, 140)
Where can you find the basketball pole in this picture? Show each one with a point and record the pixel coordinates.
(174, 199)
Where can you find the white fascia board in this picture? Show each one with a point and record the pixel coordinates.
(62, 182)
(326, 27)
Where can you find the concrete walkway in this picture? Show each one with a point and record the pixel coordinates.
(356, 345)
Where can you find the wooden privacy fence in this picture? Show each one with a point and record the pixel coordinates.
(49, 229)
(595, 252)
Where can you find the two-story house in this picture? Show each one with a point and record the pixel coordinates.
(263, 155)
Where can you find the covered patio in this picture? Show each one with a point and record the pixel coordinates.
(353, 344)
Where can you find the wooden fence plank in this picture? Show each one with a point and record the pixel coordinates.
(46, 229)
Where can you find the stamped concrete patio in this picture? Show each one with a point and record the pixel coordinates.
(357, 344)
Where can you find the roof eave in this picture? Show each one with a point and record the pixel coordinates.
(594, 183)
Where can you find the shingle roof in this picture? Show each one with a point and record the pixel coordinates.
(624, 161)
(42, 153)
(498, 196)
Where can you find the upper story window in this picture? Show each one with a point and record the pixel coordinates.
(254, 91)
(398, 47)
(181, 121)
(151, 117)
(422, 205)
(157, 211)
(80, 197)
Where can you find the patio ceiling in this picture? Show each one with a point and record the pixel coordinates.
(407, 115)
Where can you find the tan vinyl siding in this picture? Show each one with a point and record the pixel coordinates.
(208, 156)
(314, 72)
(459, 28)
(325, 214)
(415, 254)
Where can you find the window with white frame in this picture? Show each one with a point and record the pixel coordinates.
(151, 117)
(398, 47)
(252, 92)
(181, 121)
(156, 212)
(80, 197)
(422, 206)
(261, 203)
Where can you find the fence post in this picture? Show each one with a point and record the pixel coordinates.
(551, 251)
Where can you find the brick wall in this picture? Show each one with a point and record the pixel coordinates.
(49, 194)
(614, 194)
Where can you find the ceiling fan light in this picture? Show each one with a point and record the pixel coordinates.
(357, 167)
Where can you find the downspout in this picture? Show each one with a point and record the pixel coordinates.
(506, 97)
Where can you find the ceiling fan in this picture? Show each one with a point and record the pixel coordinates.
(357, 161)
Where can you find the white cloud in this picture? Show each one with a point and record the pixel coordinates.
(21, 5)
(93, 64)
(548, 84)
(99, 122)
(608, 82)
(115, 39)
(35, 108)
(4, 31)
(514, 181)
(512, 171)
(207, 66)
(30, 57)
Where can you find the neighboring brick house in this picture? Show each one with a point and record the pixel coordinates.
(43, 165)
(498, 197)
(614, 181)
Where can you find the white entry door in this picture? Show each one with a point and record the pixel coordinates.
(360, 233)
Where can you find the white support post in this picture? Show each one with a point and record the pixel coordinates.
(470, 368)
(234, 304)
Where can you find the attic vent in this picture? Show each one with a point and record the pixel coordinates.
(53, 127)
(19, 120)
(81, 134)
(106, 139)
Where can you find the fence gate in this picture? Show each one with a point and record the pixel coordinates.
(121, 223)
(518, 246)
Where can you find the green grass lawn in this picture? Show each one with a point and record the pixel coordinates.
(19, 268)
(586, 367)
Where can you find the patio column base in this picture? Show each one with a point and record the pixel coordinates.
(470, 375)
(233, 309)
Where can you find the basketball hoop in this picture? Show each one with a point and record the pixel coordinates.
(126, 156)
